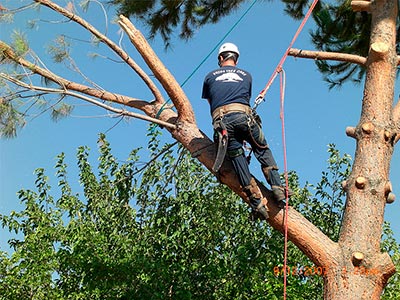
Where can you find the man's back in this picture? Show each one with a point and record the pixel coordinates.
(227, 85)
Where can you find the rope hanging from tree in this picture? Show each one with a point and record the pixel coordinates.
(259, 99)
(279, 70)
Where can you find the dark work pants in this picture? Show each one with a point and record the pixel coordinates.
(241, 127)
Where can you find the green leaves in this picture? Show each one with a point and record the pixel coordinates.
(340, 29)
(326, 207)
(168, 230)
(10, 118)
(163, 17)
(60, 48)
(20, 43)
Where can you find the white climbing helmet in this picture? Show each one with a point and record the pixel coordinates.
(228, 47)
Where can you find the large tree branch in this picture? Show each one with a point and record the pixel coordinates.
(174, 90)
(301, 232)
(6, 52)
(104, 39)
(322, 55)
(321, 250)
(305, 235)
(121, 112)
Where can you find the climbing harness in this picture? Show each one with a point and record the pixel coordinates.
(220, 132)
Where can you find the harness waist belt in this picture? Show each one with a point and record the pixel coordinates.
(230, 108)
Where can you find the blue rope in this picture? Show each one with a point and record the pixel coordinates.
(209, 54)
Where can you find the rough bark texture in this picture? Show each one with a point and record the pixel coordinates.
(321, 55)
(364, 276)
(355, 268)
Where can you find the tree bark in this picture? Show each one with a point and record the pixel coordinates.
(321, 55)
(354, 267)
(364, 270)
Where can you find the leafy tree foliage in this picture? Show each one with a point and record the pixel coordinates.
(340, 29)
(159, 231)
(164, 16)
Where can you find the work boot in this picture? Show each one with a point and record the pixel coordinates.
(256, 200)
(261, 212)
(279, 193)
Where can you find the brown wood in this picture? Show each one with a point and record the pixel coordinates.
(367, 127)
(357, 258)
(361, 182)
(351, 132)
(356, 268)
(361, 5)
(390, 198)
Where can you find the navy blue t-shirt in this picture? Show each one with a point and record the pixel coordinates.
(227, 85)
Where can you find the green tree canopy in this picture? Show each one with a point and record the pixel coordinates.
(160, 230)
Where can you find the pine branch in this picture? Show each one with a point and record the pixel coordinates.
(121, 112)
(322, 55)
(104, 39)
(174, 90)
(7, 53)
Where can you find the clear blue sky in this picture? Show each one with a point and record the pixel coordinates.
(315, 116)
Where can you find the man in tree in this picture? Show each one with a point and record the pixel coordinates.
(228, 91)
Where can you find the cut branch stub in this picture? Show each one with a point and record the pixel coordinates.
(344, 185)
(361, 182)
(379, 50)
(357, 258)
(368, 127)
(361, 5)
(388, 188)
(351, 131)
(387, 135)
(390, 198)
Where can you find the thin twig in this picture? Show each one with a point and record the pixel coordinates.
(155, 157)
(104, 39)
(122, 112)
(66, 84)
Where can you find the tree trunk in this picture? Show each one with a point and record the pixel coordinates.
(363, 270)
(354, 268)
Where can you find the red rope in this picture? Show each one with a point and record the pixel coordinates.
(285, 55)
(279, 69)
(282, 78)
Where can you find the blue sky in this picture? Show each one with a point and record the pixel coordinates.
(315, 116)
